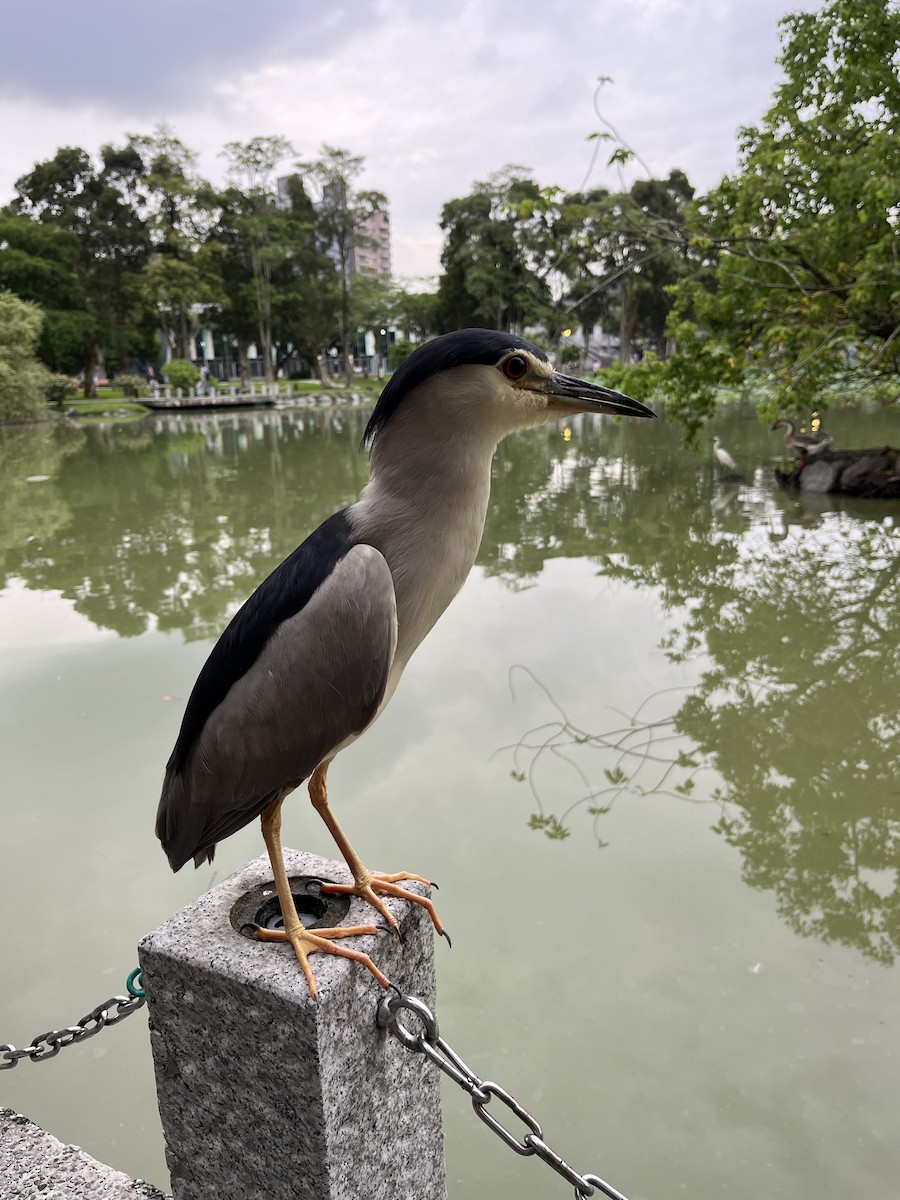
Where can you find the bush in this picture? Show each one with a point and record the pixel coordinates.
(131, 385)
(180, 373)
(22, 378)
(569, 353)
(399, 352)
(60, 389)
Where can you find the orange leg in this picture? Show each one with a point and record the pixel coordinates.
(366, 884)
(303, 940)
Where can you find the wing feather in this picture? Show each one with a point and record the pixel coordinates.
(317, 681)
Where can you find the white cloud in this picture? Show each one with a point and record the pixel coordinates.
(433, 98)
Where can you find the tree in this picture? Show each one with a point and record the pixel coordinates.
(98, 208)
(341, 211)
(415, 311)
(495, 256)
(176, 280)
(802, 240)
(22, 378)
(296, 288)
(256, 219)
(38, 263)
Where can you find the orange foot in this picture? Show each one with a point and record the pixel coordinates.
(305, 942)
(367, 885)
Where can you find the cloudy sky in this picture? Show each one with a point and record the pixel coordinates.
(434, 96)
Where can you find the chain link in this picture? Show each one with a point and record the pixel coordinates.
(48, 1045)
(430, 1043)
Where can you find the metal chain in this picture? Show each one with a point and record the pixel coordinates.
(48, 1045)
(432, 1045)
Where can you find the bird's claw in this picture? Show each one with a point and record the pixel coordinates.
(368, 885)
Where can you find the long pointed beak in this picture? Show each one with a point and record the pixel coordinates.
(573, 395)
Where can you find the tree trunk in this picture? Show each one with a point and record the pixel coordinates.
(244, 365)
(91, 365)
(268, 369)
(345, 327)
(626, 328)
(183, 349)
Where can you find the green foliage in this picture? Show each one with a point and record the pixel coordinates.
(97, 242)
(180, 373)
(257, 226)
(175, 281)
(641, 380)
(495, 256)
(399, 352)
(133, 385)
(802, 241)
(415, 311)
(620, 253)
(60, 389)
(22, 378)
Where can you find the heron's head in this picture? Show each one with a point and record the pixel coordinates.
(485, 384)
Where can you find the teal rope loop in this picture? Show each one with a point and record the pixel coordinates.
(134, 981)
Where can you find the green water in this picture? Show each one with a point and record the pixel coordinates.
(650, 753)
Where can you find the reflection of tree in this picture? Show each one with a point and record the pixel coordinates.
(640, 755)
(32, 509)
(797, 618)
(173, 523)
(799, 711)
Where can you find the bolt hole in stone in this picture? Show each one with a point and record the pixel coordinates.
(261, 909)
(310, 910)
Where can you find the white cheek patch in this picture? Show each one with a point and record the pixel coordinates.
(532, 408)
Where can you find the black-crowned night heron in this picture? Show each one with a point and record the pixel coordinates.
(722, 455)
(316, 652)
(808, 445)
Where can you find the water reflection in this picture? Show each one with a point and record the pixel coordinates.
(154, 525)
(789, 605)
(792, 605)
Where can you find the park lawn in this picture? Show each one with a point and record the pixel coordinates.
(107, 408)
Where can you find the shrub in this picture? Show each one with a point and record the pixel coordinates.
(60, 389)
(180, 373)
(22, 378)
(569, 353)
(399, 352)
(131, 385)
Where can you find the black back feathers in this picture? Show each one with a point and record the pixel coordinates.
(481, 346)
(277, 598)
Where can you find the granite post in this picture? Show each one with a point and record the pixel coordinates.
(263, 1092)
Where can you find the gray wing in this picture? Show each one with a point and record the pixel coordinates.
(318, 681)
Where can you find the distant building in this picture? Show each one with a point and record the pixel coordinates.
(374, 256)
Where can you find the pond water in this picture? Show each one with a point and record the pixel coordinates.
(650, 753)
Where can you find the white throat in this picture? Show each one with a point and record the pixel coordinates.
(425, 505)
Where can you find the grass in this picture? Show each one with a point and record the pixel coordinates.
(107, 408)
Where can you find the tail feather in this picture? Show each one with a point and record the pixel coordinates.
(180, 824)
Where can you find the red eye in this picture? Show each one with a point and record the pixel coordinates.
(514, 367)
